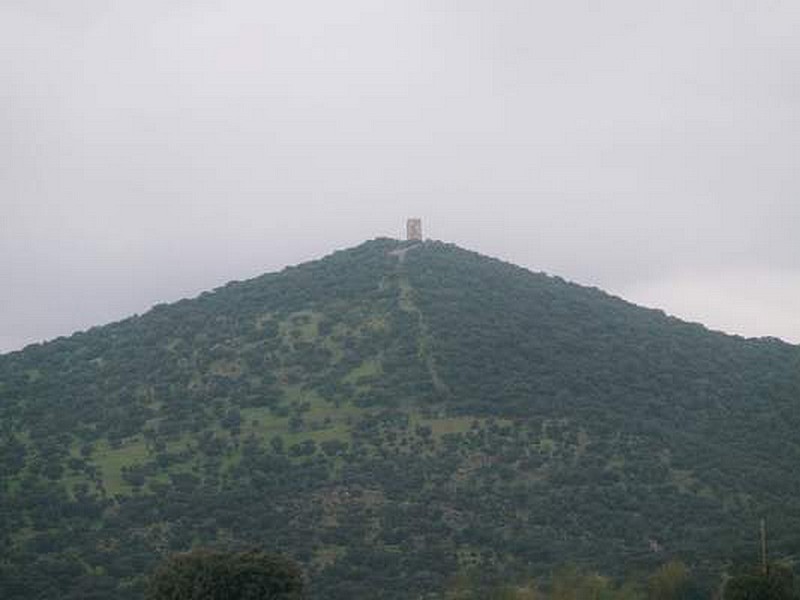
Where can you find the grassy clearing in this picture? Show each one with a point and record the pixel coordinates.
(226, 368)
(323, 420)
(443, 426)
(369, 368)
(110, 461)
(339, 432)
(301, 326)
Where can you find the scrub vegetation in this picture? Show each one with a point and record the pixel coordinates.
(445, 426)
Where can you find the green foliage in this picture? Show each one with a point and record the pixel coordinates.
(670, 582)
(777, 583)
(391, 424)
(215, 575)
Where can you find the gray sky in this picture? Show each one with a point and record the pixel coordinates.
(150, 150)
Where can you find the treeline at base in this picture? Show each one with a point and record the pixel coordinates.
(672, 581)
(255, 575)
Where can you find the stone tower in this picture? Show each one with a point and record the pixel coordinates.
(414, 230)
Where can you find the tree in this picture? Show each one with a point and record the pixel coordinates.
(776, 584)
(204, 574)
(670, 582)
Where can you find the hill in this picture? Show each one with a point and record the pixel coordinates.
(393, 415)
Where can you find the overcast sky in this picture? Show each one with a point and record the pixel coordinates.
(153, 149)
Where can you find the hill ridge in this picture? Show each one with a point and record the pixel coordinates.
(400, 253)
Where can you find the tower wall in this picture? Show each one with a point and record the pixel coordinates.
(414, 229)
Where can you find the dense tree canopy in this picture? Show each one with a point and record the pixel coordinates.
(770, 582)
(394, 425)
(215, 575)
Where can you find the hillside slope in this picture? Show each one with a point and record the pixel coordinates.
(393, 415)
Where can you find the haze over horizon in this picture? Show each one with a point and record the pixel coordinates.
(152, 152)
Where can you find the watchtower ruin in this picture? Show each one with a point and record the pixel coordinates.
(414, 230)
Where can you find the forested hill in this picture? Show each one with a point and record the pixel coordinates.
(394, 416)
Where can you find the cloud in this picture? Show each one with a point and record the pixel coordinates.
(150, 150)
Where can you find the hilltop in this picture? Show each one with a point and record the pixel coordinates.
(392, 415)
